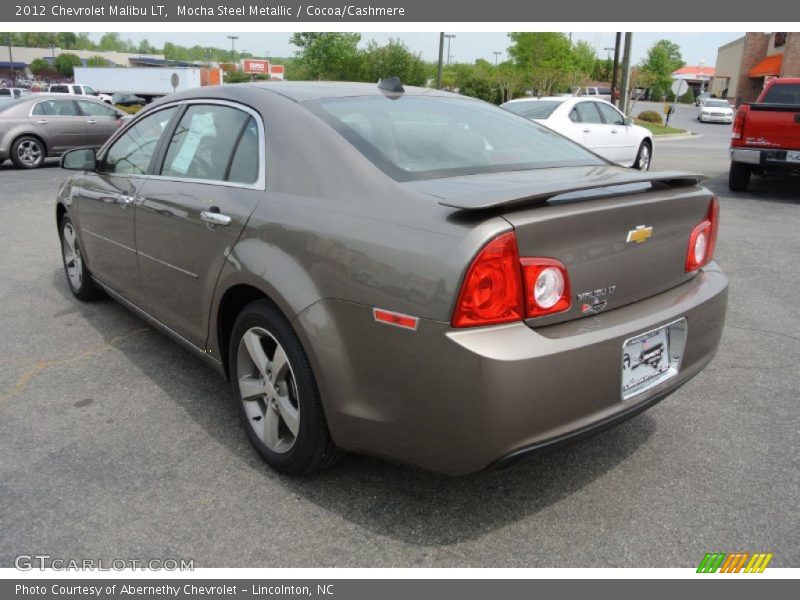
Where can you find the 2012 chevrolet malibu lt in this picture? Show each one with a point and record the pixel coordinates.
(406, 273)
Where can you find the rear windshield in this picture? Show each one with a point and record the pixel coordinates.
(533, 109)
(417, 137)
(785, 93)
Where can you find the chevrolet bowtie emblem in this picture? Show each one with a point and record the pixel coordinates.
(639, 235)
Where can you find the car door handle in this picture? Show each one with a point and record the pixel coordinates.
(215, 218)
(126, 200)
(42, 121)
(613, 131)
(587, 131)
(91, 121)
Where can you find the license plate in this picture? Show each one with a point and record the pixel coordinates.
(652, 357)
(793, 157)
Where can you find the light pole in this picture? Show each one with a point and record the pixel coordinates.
(233, 39)
(439, 65)
(449, 37)
(11, 63)
(496, 56)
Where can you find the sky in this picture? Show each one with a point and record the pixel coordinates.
(465, 47)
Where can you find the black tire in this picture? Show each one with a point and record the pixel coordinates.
(313, 449)
(28, 152)
(739, 177)
(644, 147)
(79, 278)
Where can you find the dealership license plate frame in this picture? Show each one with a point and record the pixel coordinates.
(644, 368)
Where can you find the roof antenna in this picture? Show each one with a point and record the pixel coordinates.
(391, 85)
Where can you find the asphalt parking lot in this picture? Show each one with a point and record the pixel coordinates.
(116, 443)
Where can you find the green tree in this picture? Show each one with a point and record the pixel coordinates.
(661, 60)
(145, 47)
(111, 42)
(96, 61)
(39, 66)
(326, 55)
(393, 59)
(66, 63)
(544, 58)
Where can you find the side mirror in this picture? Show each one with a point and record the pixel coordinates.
(628, 121)
(79, 159)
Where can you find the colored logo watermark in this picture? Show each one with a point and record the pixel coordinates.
(734, 562)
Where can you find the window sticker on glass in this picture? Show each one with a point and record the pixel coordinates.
(202, 125)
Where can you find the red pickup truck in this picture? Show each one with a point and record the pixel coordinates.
(766, 134)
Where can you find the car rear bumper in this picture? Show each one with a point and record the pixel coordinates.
(459, 401)
(768, 158)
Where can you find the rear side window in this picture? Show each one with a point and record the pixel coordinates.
(57, 108)
(59, 89)
(245, 161)
(205, 141)
(132, 152)
(786, 93)
(585, 112)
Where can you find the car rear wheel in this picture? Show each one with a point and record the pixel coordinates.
(739, 177)
(644, 157)
(27, 152)
(277, 396)
(79, 278)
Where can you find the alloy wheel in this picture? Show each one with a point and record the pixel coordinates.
(29, 152)
(73, 260)
(268, 390)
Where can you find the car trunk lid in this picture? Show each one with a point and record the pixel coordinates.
(773, 125)
(623, 235)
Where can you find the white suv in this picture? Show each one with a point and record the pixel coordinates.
(77, 89)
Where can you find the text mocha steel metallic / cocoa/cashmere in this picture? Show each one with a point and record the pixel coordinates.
(405, 273)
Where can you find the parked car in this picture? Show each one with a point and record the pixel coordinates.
(38, 125)
(701, 98)
(596, 124)
(428, 295)
(601, 93)
(715, 111)
(77, 89)
(126, 99)
(13, 92)
(765, 137)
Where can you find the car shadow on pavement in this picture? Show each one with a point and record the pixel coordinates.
(772, 188)
(388, 499)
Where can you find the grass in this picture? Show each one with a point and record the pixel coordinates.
(656, 129)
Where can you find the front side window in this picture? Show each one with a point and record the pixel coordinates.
(76, 89)
(204, 142)
(57, 108)
(610, 114)
(423, 137)
(95, 109)
(89, 91)
(132, 152)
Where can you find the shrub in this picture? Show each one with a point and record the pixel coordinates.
(650, 116)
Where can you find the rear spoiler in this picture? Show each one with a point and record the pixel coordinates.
(541, 193)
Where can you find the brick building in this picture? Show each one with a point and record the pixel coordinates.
(744, 65)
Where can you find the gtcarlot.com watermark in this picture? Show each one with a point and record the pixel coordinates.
(45, 562)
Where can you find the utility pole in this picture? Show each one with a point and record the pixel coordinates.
(439, 66)
(626, 67)
(615, 69)
(449, 37)
(233, 39)
(496, 56)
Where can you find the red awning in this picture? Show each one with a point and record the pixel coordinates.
(769, 66)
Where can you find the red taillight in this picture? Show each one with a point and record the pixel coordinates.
(546, 286)
(703, 239)
(493, 290)
(737, 130)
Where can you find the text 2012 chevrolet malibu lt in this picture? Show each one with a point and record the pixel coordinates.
(406, 273)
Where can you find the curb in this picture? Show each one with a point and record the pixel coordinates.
(678, 136)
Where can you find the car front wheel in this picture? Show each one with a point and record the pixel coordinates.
(79, 278)
(277, 396)
(27, 152)
(644, 157)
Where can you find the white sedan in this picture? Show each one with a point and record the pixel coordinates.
(715, 111)
(595, 124)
